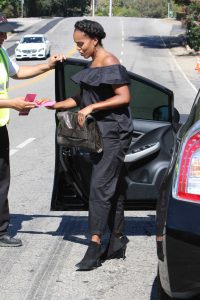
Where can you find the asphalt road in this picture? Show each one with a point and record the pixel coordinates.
(44, 268)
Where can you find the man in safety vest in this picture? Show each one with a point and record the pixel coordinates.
(9, 68)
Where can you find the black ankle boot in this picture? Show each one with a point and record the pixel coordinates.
(91, 259)
(116, 247)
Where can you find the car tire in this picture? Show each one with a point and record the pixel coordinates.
(161, 295)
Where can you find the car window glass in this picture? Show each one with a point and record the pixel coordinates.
(70, 87)
(148, 102)
(27, 40)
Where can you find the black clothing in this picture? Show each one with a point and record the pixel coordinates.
(4, 180)
(107, 180)
(96, 86)
(106, 202)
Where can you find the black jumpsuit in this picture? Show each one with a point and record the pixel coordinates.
(116, 126)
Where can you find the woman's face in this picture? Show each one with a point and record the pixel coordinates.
(85, 44)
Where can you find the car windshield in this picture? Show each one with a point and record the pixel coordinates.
(32, 39)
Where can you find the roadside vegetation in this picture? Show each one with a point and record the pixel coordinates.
(188, 11)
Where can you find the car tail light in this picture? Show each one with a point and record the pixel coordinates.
(187, 174)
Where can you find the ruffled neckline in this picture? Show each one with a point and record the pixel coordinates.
(89, 67)
(94, 76)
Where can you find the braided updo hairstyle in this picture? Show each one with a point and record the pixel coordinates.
(91, 28)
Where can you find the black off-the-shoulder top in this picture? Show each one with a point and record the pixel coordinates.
(96, 86)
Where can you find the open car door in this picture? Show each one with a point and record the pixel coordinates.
(155, 124)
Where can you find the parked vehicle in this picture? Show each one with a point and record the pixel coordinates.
(178, 220)
(33, 46)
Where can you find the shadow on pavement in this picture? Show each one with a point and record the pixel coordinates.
(158, 42)
(70, 227)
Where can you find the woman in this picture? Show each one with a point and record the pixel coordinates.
(105, 95)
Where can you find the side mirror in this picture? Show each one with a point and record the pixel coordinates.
(17, 42)
(161, 113)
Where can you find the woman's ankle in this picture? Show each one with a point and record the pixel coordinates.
(96, 238)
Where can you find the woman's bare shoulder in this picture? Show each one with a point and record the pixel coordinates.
(110, 60)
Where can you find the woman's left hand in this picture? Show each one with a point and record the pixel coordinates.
(82, 114)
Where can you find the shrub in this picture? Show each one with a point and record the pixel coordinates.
(193, 25)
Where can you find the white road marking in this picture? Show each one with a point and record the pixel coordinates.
(13, 151)
(22, 145)
(179, 68)
(182, 72)
(55, 27)
(122, 53)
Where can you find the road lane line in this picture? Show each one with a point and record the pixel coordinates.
(13, 151)
(179, 67)
(182, 72)
(22, 145)
(55, 27)
(26, 142)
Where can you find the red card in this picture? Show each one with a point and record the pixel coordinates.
(28, 98)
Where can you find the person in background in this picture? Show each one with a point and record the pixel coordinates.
(104, 93)
(8, 68)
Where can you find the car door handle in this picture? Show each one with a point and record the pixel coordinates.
(140, 153)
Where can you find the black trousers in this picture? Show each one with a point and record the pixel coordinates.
(107, 189)
(4, 180)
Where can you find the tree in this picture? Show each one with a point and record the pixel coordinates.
(132, 8)
(182, 2)
(10, 8)
(193, 25)
(57, 7)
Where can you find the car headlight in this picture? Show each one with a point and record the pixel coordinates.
(18, 50)
(42, 49)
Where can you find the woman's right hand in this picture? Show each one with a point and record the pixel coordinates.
(19, 104)
(45, 100)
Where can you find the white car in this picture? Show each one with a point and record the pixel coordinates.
(33, 46)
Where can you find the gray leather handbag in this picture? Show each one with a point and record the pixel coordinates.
(70, 134)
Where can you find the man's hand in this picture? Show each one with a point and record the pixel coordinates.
(54, 59)
(20, 104)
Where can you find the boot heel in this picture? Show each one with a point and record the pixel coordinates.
(116, 248)
(124, 253)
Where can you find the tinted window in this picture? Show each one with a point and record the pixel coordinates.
(70, 87)
(149, 102)
(27, 40)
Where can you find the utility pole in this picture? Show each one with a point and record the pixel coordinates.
(168, 9)
(110, 9)
(93, 4)
(22, 8)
